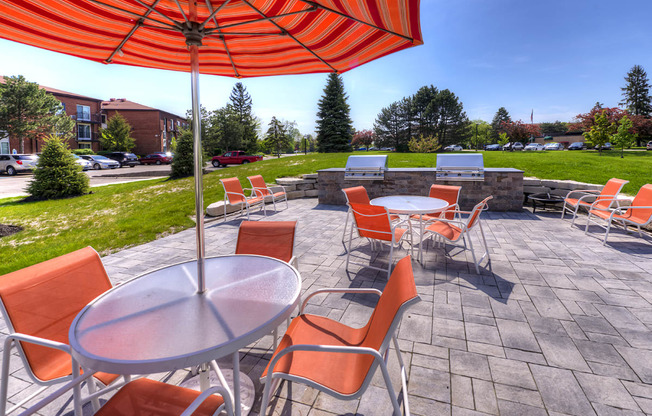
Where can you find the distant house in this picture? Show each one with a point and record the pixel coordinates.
(86, 112)
(152, 129)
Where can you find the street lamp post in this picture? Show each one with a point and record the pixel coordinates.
(476, 136)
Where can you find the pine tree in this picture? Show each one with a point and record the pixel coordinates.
(117, 135)
(276, 138)
(334, 125)
(58, 175)
(501, 116)
(637, 92)
(183, 163)
(241, 104)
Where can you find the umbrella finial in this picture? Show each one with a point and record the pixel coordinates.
(193, 33)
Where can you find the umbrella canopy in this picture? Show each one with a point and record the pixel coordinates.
(239, 38)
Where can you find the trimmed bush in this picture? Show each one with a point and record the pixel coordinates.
(183, 163)
(58, 175)
(80, 152)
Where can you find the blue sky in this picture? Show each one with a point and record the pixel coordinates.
(556, 57)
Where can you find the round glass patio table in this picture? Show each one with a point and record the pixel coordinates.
(158, 322)
(412, 205)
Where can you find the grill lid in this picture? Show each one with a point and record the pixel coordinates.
(366, 167)
(467, 167)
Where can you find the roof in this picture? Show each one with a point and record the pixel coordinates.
(120, 104)
(58, 92)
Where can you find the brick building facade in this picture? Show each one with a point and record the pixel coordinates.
(152, 129)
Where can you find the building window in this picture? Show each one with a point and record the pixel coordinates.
(84, 145)
(103, 118)
(83, 113)
(83, 132)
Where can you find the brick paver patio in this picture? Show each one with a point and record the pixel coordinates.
(559, 325)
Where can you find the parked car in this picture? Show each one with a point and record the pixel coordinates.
(649, 145)
(606, 146)
(85, 164)
(234, 157)
(513, 146)
(12, 164)
(101, 162)
(361, 148)
(124, 158)
(155, 159)
(453, 148)
(373, 148)
(492, 147)
(577, 146)
(533, 147)
(553, 146)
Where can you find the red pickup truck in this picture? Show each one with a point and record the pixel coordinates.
(234, 157)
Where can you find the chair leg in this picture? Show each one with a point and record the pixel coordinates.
(406, 405)
(477, 268)
(391, 255)
(348, 252)
(588, 221)
(346, 223)
(390, 388)
(606, 234)
(4, 378)
(563, 210)
(484, 239)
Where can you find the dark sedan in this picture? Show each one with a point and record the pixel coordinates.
(124, 158)
(492, 147)
(155, 158)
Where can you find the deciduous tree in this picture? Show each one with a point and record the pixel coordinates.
(624, 136)
(363, 138)
(601, 131)
(334, 126)
(424, 145)
(518, 131)
(117, 135)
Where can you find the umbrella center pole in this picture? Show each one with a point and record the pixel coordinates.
(193, 46)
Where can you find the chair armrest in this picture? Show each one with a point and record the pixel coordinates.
(235, 193)
(338, 290)
(206, 394)
(591, 192)
(57, 393)
(272, 187)
(36, 340)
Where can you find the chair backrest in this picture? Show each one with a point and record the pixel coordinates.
(233, 190)
(267, 238)
(448, 193)
(474, 217)
(356, 195)
(258, 183)
(399, 293)
(642, 199)
(610, 190)
(42, 300)
(372, 221)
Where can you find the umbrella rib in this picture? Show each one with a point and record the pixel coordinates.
(346, 16)
(183, 13)
(130, 34)
(140, 16)
(269, 19)
(312, 9)
(152, 9)
(222, 35)
(213, 13)
(226, 48)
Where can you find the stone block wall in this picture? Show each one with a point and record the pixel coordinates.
(506, 186)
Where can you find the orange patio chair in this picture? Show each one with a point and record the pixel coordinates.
(358, 195)
(275, 192)
(39, 304)
(603, 199)
(374, 223)
(150, 397)
(340, 360)
(268, 238)
(234, 195)
(456, 229)
(638, 214)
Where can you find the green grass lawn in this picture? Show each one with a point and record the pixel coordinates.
(118, 216)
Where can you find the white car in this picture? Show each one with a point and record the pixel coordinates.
(12, 164)
(101, 162)
(554, 146)
(85, 164)
(453, 148)
(533, 147)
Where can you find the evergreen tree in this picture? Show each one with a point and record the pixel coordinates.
(117, 135)
(637, 92)
(241, 105)
(453, 125)
(334, 126)
(29, 112)
(387, 128)
(183, 163)
(425, 115)
(225, 132)
(58, 175)
(501, 116)
(277, 138)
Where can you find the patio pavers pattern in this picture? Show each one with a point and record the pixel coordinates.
(560, 324)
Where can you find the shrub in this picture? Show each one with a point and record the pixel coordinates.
(58, 175)
(424, 145)
(80, 152)
(183, 163)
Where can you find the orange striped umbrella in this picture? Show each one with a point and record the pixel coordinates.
(240, 38)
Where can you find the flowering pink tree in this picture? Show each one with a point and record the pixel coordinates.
(363, 138)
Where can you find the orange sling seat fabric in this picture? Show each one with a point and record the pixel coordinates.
(149, 397)
(357, 195)
(42, 300)
(372, 222)
(343, 372)
(639, 216)
(604, 200)
(261, 187)
(267, 238)
(448, 193)
(232, 187)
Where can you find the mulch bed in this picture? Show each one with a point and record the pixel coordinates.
(6, 230)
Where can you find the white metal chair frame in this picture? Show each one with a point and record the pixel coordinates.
(75, 383)
(272, 195)
(243, 204)
(380, 359)
(620, 221)
(393, 243)
(581, 201)
(13, 341)
(464, 228)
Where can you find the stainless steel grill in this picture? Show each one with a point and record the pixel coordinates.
(460, 167)
(366, 167)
